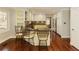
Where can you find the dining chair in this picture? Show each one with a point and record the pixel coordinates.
(29, 36)
(18, 31)
(42, 37)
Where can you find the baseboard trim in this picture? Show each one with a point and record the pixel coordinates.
(65, 36)
(57, 33)
(5, 39)
(75, 48)
(67, 40)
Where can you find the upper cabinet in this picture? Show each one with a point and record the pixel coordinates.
(39, 17)
(28, 15)
(20, 17)
(34, 16)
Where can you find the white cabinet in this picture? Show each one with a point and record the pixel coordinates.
(20, 17)
(39, 17)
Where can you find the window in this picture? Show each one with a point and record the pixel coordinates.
(3, 20)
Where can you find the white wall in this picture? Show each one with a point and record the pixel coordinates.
(9, 33)
(63, 16)
(12, 23)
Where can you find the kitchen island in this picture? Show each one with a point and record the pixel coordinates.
(36, 40)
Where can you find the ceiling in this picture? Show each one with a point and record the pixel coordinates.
(45, 10)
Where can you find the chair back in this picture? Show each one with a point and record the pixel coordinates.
(18, 29)
(43, 35)
(29, 33)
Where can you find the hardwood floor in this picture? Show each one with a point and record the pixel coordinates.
(57, 44)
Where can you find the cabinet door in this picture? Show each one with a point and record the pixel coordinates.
(20, 17)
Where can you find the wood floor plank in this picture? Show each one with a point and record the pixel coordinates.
(57, 44)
